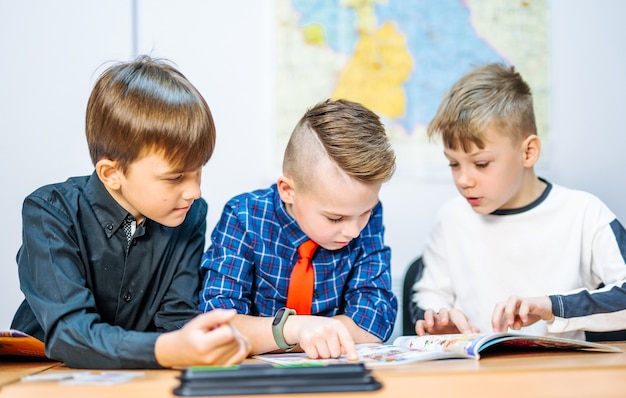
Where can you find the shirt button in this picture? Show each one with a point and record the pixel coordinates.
(128, 296)
(110, 227)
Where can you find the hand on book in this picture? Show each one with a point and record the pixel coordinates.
(320, 337)
(444, 322)
(518, 312)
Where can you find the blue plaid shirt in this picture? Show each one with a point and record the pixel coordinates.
(254, 248)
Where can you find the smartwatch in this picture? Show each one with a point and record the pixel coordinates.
(277, 328)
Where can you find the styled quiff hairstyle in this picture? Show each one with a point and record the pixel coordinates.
(349, 134)
(492, 95)
(147, 106)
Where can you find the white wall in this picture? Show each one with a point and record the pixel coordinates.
(49, 51)
(588, 82)
(52, 52)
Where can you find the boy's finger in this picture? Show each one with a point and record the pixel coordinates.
(348, 344)
(462, 324)
(215, 317)
(510, 311)
(497, 318)
(444, 316)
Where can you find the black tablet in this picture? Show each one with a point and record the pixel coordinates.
(265, 378)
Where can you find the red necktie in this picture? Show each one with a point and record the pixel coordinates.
(300, 293)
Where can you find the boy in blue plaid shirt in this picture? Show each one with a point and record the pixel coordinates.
(335, 163)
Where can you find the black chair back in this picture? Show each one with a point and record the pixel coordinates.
(412, 274)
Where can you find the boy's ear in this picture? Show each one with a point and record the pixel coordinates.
(285, 189)
(109, 173)
(532, 149)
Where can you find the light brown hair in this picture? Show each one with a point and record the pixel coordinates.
(351, 135)
(147, 106)
(491, 95)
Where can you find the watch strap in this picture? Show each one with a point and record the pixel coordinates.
(277, 328)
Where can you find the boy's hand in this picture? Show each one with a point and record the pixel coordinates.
(207, 339)
(444, 322)
(517, 312)
(321, 337)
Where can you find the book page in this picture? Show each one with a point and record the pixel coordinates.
(371, 355)
(376, 355)
(16, 343)
(462, 345)
(471, 345)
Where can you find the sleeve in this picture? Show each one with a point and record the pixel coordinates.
(433, 288)
(52, 276)
(602, 310)
(370, 301)
(180, 302)
(226, 266)
(599, 309)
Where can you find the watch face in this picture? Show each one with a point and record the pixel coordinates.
(278, 317)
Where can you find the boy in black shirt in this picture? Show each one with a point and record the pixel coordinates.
(109, 263)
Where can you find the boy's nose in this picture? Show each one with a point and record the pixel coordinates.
(351, 230)
(192, 191)
(464, 179)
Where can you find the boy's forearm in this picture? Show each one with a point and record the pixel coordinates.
(358, 334)
(258, 330)
(165, 349)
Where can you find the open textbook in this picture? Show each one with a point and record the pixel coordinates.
(16, 343)
(406, 349)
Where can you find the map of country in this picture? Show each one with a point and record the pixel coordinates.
(398, 57)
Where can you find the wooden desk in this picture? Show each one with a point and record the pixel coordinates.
(563, 374)
(11, 372)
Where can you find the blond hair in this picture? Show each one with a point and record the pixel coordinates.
(492, 95)
(349, 134)
(147, 106)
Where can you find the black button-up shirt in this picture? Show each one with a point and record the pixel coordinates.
(94, 300)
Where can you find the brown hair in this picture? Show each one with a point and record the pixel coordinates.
(147, 106)
(351, 135)
(490, 95)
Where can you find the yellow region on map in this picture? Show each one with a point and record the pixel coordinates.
(313, 34)
(376, 71)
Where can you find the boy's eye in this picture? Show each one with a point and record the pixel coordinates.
(334, 219)
(482, 165)
(175, 179)
(453, 164)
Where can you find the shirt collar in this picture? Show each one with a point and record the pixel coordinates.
(109, 213)
(529, 206)
(289, 224)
